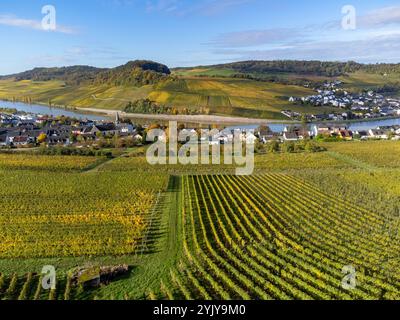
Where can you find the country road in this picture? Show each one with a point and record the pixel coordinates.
(202, 119)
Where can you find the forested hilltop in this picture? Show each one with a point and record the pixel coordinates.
(317, 68)
(136, 73)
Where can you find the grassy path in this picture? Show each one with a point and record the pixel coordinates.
(354, 162)
(165, 250)
(96, 166)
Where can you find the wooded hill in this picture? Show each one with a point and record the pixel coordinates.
(136, 73)
(316, 68)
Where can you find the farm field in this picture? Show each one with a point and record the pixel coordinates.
(200, 232)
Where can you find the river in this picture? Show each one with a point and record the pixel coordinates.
(354, 126)
(42, 109)
(45, 110)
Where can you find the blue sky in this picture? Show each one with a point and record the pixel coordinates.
(107, 33)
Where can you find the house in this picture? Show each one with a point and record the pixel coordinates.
(42, 120)
(21, 141)
(125, 129)
(78, 130)
(61, 138)
(362, 134)
(290, 136)
(378, 134)
(26, 124)
(301, 132)
(346, 135)
(3, 140)
(251, 138)
(265, 134)
(107, 129)
(6, 121)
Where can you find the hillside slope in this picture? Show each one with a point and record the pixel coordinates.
(247, 89)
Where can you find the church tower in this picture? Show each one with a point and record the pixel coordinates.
(117, 119)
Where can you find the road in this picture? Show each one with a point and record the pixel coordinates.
(202, 119)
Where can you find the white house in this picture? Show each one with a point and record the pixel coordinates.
(378, 134)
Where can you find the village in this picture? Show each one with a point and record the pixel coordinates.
(351, 106)
(24, 130)
(20, 130)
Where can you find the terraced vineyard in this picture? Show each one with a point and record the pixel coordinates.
(276, 237)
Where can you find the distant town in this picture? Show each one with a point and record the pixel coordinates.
(365, 105)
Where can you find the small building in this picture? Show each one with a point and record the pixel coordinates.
(346, 135)
(21, 141)
(3, 140)
(378, 134)
(290, 136)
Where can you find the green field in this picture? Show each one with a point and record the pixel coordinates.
(200, 232)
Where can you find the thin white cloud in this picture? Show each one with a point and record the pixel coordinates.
(13, 21)
(251, 38)
(376, 38)
(183, 8)
(217, 6)
(370, 50)
(380, 17)
(162, 5)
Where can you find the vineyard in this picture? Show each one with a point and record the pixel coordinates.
(29, 287)
(38, 162)
(48, 214)
(276, 237)
(382, 154)
(199, 232)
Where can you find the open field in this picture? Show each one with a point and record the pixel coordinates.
(356, 81)
(363, 81)
(200, 232)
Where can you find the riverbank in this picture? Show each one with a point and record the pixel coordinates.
(226, 120)
(201, 119)
(107, 114)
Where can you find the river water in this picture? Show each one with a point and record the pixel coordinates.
(45, 110)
